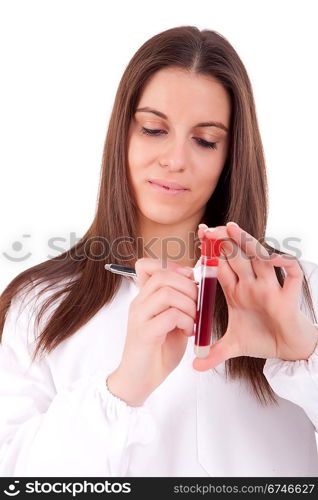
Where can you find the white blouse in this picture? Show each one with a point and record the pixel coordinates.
(58, 418)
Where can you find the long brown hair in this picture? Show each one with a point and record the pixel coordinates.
(241, 196)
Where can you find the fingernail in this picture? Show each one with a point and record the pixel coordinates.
(274, 255)
(232, 223)
(210, 230)
(201, 226)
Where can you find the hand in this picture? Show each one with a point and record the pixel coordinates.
(264, 319)
(160, 320)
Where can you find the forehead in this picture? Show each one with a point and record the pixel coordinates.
(189, 96)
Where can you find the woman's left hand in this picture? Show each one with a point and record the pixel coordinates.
(264, 319)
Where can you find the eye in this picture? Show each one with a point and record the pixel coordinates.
(201, 142)
(149, 131)
(206, 144)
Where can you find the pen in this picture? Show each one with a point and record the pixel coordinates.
(126, 271)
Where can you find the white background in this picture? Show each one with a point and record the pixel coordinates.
(61, 62)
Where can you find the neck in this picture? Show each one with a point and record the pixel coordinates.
(173, 242)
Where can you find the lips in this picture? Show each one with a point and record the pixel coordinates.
(168, 184)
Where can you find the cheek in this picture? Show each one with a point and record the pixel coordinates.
(208, 176)
(138, 152)
(136, 159)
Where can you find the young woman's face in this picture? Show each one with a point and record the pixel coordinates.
(180, 150)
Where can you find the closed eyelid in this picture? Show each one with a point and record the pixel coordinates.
(205, 136)
(212, 123)
(159, 132)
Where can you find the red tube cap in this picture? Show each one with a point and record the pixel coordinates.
(210, 251)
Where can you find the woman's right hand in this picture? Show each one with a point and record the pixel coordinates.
(160, 320)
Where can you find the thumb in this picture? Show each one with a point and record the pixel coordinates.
(220, 351)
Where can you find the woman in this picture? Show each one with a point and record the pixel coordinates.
(105, 386)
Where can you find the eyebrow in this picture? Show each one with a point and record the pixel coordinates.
(203, 124)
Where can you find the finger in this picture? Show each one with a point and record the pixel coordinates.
(238, 261)
(227, 279)
(163, 278)
(167, 297)
(294, 277)
(219, 232)
(167, 321)
(146, 266)
(255, 252)
(201, 230)
(226, 275)
(216, 233)
(240, 264)
(222, 350)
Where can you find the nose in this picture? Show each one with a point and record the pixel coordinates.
(174, 156)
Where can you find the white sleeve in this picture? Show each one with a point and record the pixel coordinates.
(83, 430)
(297, 381)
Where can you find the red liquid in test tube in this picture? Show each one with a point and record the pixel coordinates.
(210, 251)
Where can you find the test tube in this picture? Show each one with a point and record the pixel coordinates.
(210, 252)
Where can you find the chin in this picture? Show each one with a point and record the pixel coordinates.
(160, 215)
